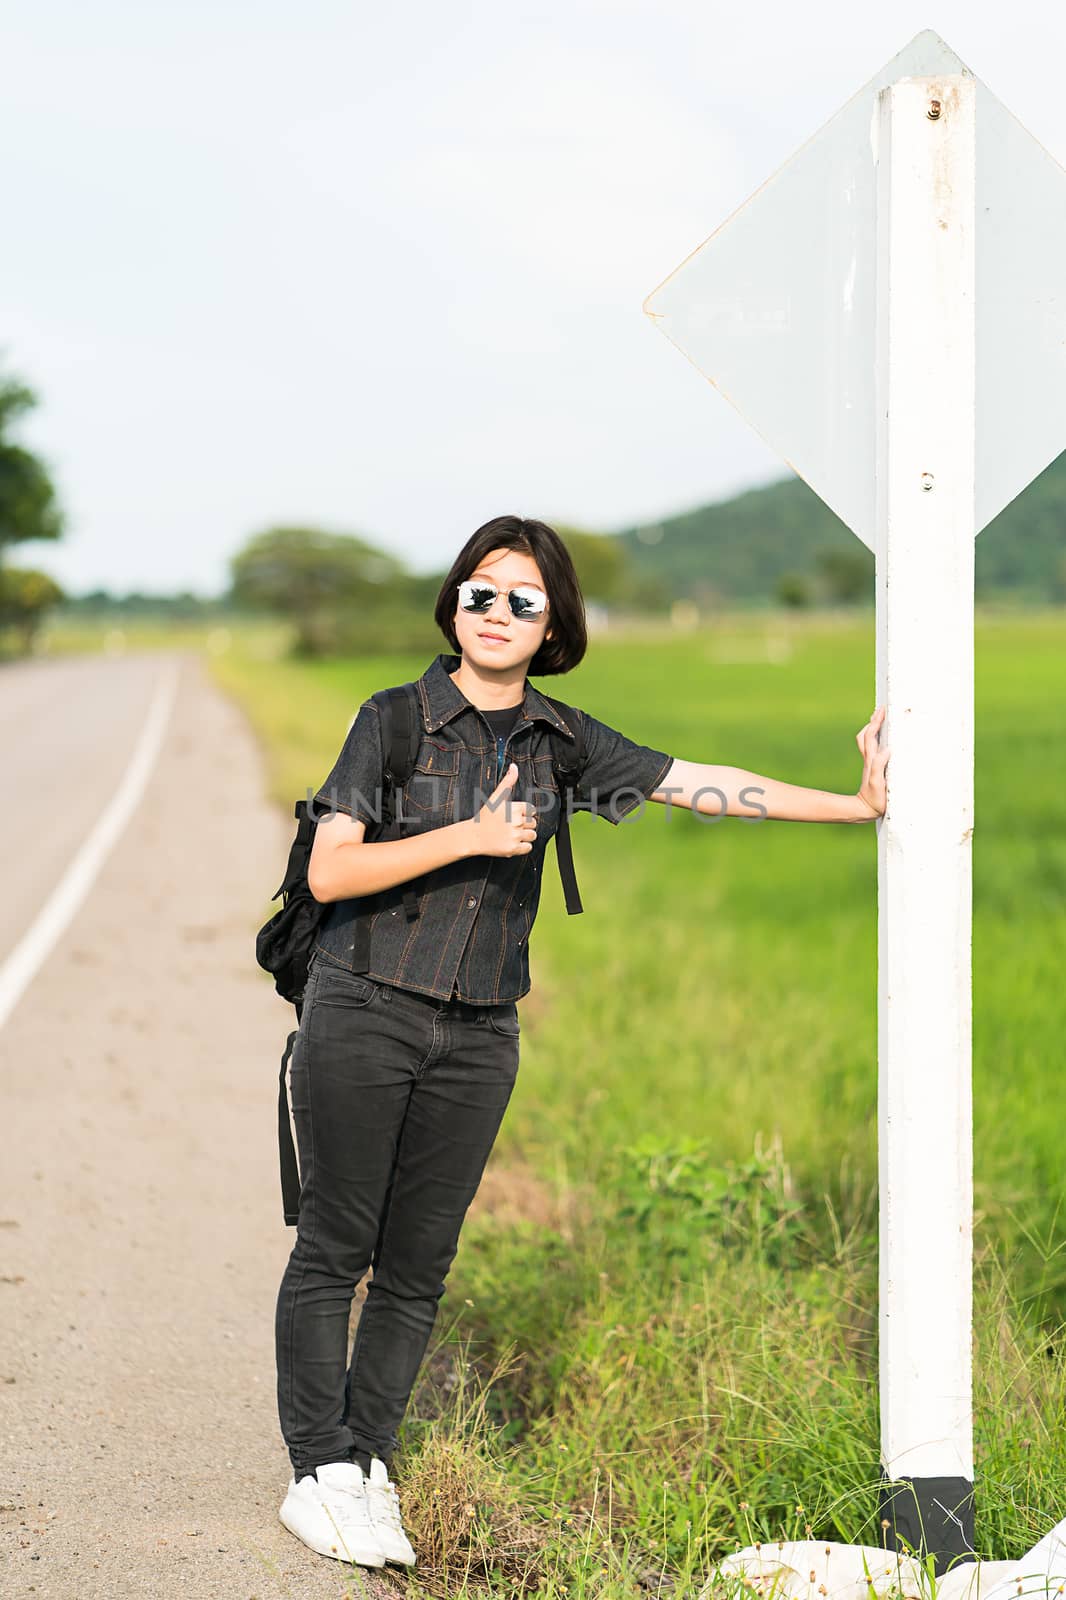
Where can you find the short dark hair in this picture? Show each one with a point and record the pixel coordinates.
(569, 640)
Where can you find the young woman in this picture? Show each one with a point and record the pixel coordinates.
(408, 1044)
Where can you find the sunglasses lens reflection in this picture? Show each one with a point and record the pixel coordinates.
(525, 601)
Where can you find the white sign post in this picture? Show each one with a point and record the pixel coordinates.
(924, 383)
(888, 311)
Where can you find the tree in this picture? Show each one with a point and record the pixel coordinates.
(28, 507)
(312, 577)
(599, 561)
(793, 590)
(848, 574)
(25, 598)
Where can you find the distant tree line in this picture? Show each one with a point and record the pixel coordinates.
(341, 593)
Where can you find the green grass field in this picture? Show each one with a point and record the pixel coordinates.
(666, 1343)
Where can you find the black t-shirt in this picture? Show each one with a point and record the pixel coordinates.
(501, 723)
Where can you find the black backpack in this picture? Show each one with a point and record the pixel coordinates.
(283, 944)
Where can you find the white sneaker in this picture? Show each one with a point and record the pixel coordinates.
(330, 1514)
(383, 1505)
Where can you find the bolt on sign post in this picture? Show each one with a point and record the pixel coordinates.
(888, 311)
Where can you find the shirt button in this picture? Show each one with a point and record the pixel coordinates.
(471, 901)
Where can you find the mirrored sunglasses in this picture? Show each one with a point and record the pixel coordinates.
(525, 599)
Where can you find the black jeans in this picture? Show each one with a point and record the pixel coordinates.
(397, 1099)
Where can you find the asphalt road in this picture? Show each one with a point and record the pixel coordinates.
(141, 1231)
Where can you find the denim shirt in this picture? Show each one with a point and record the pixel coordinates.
(471, 937)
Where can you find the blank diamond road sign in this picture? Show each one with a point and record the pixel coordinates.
(778, 307)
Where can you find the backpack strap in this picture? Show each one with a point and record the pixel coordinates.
(406, 739)
(299, 853)
(401, 736)
(568, 763)
(290, 1176)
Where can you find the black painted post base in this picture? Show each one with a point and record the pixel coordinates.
(933, 1515)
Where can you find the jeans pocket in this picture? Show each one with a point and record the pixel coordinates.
(504, 1019)
(348, 990)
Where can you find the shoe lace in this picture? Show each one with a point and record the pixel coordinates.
(386, 1503)
(348, 1509)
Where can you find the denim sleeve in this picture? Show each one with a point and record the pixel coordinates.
(355, 783)
(618, 772)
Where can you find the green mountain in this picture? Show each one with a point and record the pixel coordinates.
(741, 549)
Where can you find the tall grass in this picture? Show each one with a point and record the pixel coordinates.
(676, 1349)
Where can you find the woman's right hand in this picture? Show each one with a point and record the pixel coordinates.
(502, 828)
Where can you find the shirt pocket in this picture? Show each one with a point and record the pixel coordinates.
(429, 793)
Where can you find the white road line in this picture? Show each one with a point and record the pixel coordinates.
(58, 911)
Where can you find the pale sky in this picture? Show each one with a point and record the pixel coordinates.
(380, 268)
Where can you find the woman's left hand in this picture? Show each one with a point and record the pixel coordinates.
(872, 793)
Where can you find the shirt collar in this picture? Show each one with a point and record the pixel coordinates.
(442, 699)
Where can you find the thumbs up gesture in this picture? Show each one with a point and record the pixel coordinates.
(505, 827)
